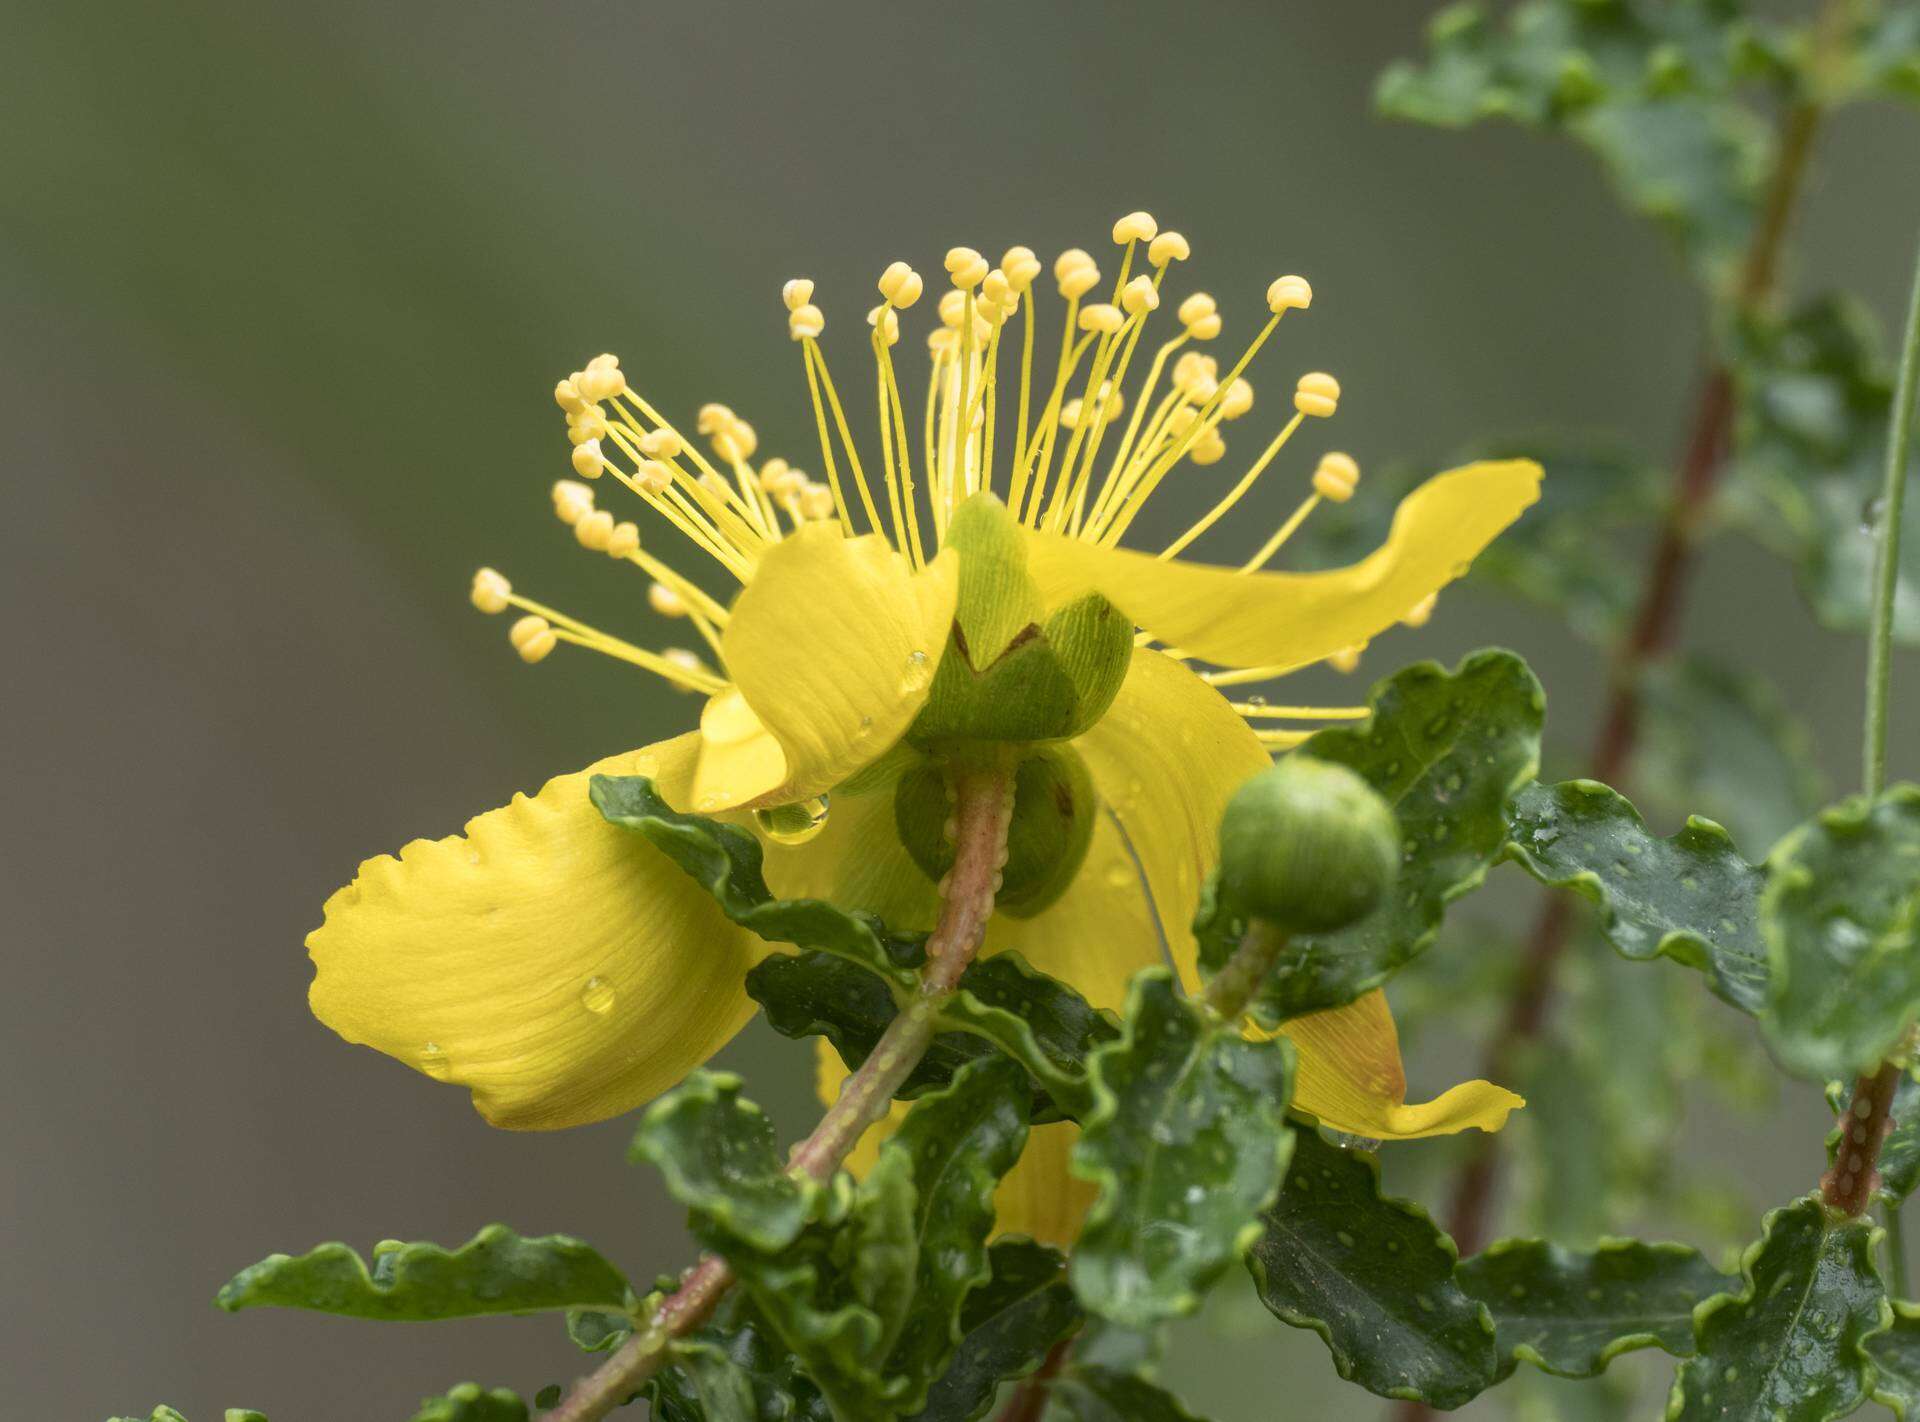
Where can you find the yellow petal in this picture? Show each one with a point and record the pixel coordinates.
(1292, 619)
(831, 649)
(1352, 1079)
(1039, 1197)
(561, 967)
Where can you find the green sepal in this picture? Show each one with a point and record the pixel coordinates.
(1691, 898)
(1841, 917)
(469, 1402)
(726, 861)
(1001, 1004)
(1571, 1313)
(1788, 1346)
(1721, 743)
(1895, 1355)
(718, 1157)
(1013, 672)
(1054, 810)
(1374, 1277)
(1445, 749)
(1008, 1326)
(497, 1271)
(1098, 1394)
(1187, 1141)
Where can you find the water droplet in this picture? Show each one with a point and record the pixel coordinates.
(795, 823)
(918, 673)
(433, 1061)
(1460, 570)
(1870, 513)
(1256, 700)
(1119, 876)
(1345, 1239)
(597, 996)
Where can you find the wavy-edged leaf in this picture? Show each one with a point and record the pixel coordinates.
(1572, 1312)
(726, 860)
(1446, 750)
(1896, 1362)
(1374, 1277)
(1721, 743)
(1691, 898)
(1008, 1326)
(469, 1402)
(1187, 1141)
(1788, 1346)
(1037, 1020)
(716, 1152)
(1097, 1394)
(735, 1346)
(497, 1271)
(1900, 1151)
(1841, 916)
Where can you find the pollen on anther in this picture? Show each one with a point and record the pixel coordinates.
(533, 638)
(797, 293)
(1075, 273)
(883, 319)
(595, 530)
(1289, 293)
(901, 285)
(572, 500)
(1168, 247)
(1336, 477)
(1135, 227)
(1140, 296)
(1237, 401)
(587, 460)
(624, 541)
(805, 322)
(1021, 266)
(490, 591)
(966, 268)
(664, 600)
(661, 444)
(1317, 394)
(1102, 318)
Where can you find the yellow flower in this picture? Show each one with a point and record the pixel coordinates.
(565, 971)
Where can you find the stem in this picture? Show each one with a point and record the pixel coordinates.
(983, 807)
(1849, 1183)
(1886, 564)
(1233, 987)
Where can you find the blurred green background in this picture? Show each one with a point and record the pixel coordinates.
(285, 290)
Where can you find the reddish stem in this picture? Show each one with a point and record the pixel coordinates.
(1029, 1401)
(1850, 1181)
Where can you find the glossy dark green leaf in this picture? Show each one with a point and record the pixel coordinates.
(1446, 750)
(1650, 89)
(1788, 1346)
(736, 1342)
(1096, 1394)
(1187, 1141)
(1841, 916)
(497, 1271)
(1896, 1362)
(1572, 1312)
(595, 1330)
(1008, 1326)
(1037, 1020)
(471, 1403)
(1374, 1277)
(1720, 743)
(1691, 897)
(1900, 1152)
(705, 1384)
(1810, 455)
(726, 860)
(717, 1154)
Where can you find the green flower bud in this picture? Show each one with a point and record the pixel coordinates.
(1307, 845)
(1053, 813)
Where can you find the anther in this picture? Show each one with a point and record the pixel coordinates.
(890, 330)
(1317, 394)
(1237, 401)
(1021, 267)
(1135, 227)
(1075, 273)
(1336, 477)
(780, 479)
(966, 267)
(1139, 296)
(587, 462)
(713, 417)
(532, 638)
(601, 380)
(1210, 448)
(490, 591)
(595, 531)
(665, 601)
(996, 290)
(1168, 247)
(567, 396)
(805, 321)
(1420, 612)
(1289, 292)
(1102, 318)
(797, 293)
(686, 661)
(572, 500)
(661, 444)
(624, 541)
(652, 476)
(816, 502)
(901, 285)
(588, 423)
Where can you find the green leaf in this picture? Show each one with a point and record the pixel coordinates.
(1374, 1277)
(1810, 456)
(1900, 1151)
(596, 1330)
(1008, 1326)
(1720, 743)
(1787, 1347)
(1570, 1194)
(1187, 1141)
(1446, 750)
(1896, 1362)
(718, 1157)
(706, 1386)
(468, 1403)
(1037, 1020)
(1691, 898)
(1841, 916)
(1883, 53)
(726, 860)
(497, 1271)
(1096, 1394)
(736, 1339)
(1649, 89)
(1572, 1313)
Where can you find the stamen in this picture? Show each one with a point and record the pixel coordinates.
(1259, 710)
(1283, 740)
(535, 635)
(1335, 479)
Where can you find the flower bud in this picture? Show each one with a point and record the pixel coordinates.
(1308, 846)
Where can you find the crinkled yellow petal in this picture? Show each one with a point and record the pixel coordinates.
(831, 650)
(1351, 1077)
(559, 966)
(1292, 619)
